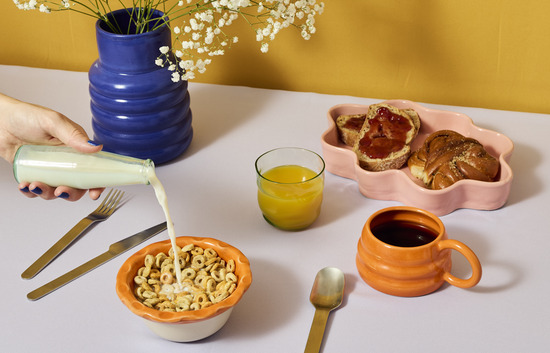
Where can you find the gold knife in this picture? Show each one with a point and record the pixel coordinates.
(115, 249)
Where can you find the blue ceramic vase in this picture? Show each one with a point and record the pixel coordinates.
(136, 108)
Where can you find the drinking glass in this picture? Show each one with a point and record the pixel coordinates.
(290, 187)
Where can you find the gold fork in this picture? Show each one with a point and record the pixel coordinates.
(104, 211)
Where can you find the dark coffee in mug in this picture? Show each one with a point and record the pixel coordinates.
(403, 233)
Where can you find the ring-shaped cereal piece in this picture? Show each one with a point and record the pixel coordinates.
(210, 285)
(166, 278)
(166, 261)
(198, 261)
(146, 272)
(231, 277)
(154, 273)
(218, 275)
(200, 298)
(165, 306)
(210, 253)
(149, 260)
(153, 281)
(171, 251)
(188, 273)
(201, 280)
(218, 297)
(159, 258)
(149, 294)
(150, 302)
(188, 247)
(168, 268)
(212, 260)
(139, 280)
(230, 266)
(197, 250)
(194, 306)
(182, 262)
(139, 293)
(221, 285)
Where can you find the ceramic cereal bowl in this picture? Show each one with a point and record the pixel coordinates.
(184, 326)
(400, 185)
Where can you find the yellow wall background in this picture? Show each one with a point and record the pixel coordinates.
(492, 53)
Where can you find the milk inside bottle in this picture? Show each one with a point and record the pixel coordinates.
(61, 165)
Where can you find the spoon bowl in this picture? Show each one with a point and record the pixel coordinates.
(326, 295)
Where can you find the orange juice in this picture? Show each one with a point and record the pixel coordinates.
(290, 196)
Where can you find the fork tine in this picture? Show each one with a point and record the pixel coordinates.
(100, 207)
(108, 202)
(114, 202)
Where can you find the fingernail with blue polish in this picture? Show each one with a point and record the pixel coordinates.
(36, 191)
(25, 189)
(93, 143)
(64, 195)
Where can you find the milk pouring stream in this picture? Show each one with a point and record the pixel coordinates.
(61, 165)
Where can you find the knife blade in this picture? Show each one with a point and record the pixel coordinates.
(115, 249)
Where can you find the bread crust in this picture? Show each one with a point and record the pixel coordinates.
(348, 127)
(447, 157)
(391, 131)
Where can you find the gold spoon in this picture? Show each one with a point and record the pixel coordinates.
(326, 295)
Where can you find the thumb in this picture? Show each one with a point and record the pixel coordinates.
(73, 135)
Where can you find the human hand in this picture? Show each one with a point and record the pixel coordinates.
(24, 123)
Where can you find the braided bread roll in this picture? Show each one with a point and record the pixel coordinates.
(447, 157)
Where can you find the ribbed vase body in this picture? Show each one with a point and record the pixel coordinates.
(136, 108)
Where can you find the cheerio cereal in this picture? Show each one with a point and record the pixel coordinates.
(206, 279)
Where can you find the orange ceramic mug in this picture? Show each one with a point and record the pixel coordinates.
(405, 251)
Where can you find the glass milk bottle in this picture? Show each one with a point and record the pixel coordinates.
(61, 165)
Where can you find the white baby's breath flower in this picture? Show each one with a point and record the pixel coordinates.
(175, 76)
(199, 26)
(189, 75)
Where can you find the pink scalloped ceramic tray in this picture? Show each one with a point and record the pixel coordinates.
(400, 185)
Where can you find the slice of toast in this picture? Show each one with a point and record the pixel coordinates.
(385, 137)
(349, 127)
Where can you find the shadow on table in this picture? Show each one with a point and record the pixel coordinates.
(217, 110)
(260, 311)
(499, 275)
(524, 162)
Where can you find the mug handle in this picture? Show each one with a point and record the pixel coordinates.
(472, 259)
